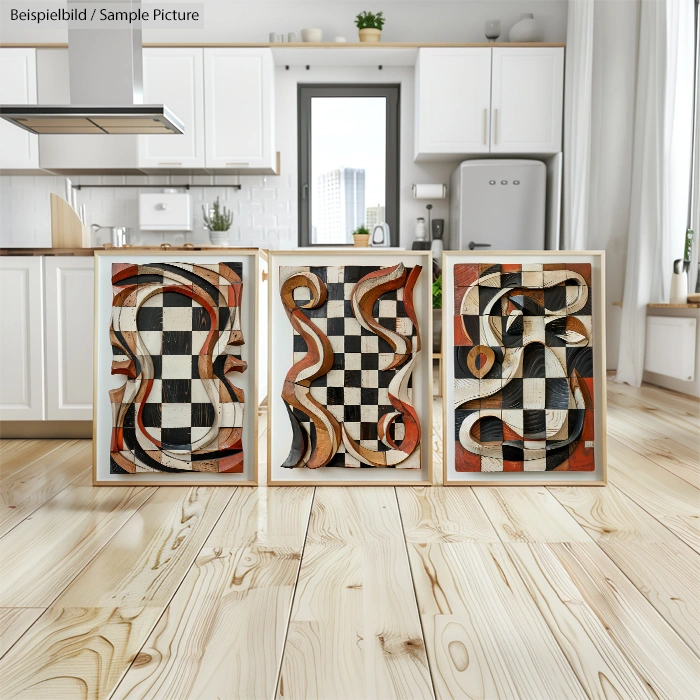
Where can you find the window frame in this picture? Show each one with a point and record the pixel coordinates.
(392, 93)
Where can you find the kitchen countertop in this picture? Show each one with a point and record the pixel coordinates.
(85, 252)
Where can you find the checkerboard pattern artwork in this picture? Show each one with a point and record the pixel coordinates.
(176, 335)
(348, 392)
(523, 367)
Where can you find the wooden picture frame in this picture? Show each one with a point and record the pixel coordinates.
(280, 360)
(253, 265)
(596, 477)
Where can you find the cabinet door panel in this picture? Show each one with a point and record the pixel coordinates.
(527, 99)
(70, 292)
(239, 108)
(452, 101)
(19, 149)
(175, 77)
(21, 339)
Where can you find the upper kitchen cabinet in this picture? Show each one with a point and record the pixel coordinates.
(174, 77)
(471, 101)
(19, 150)
(239, 99)
(453, 94)
(526, 100)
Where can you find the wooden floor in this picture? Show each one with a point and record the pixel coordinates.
(226, 593)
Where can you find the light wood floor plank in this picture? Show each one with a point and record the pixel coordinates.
(670, 499)
(44, 553)
(607, 514)
(444, 514)
(223, 632)
(529, 514)
(658, 654)
(667, 453)
(16, 455)
(683, 405)
(485, 637)
(92, 633)
(598, 663)
(24, 491)
(664, 569)
(14, 622)
(354, 629)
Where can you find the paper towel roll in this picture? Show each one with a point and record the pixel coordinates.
(434, 191)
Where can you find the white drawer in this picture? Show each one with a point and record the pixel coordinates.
(165, 212)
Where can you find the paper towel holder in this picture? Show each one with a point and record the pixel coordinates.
(429, 191)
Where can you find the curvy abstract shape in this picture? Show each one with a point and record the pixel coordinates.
(333, 387)
(523, 390)
(175, 334)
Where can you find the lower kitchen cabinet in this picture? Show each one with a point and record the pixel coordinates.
(22, 388)
(69, 287)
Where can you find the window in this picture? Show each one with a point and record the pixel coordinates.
(348, 161)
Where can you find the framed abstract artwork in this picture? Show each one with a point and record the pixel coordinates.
(524, 374)
(177, 353)
(350, 367)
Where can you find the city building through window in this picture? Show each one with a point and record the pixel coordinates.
(348, 157)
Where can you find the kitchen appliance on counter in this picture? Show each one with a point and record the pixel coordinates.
(498, 205)
(380, 237)
(118, 235)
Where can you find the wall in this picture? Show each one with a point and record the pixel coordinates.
(613, 96)
(407, 20)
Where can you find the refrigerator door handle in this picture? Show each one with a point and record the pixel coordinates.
(473, 245)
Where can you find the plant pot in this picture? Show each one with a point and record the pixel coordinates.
(360, 241)
(437, 330)
(218, 238)
(370, 36)
(312, 35)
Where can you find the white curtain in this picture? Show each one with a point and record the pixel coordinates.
(661, 152)
(577, 124)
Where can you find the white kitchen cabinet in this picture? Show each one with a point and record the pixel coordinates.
(239, 103)
(453, 93)
(174, 77)
(527, 96)
(70, 292)
(479, 100)
(21, 338)
(19, 150)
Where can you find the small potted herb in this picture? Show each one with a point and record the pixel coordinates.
(217, 221)
(370, 26)
(360, 237)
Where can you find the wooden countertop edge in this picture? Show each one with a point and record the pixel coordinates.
(309, 45)
(673, 306)
(85, 252)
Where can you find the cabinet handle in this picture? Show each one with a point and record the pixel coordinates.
(495, 126)
(485, 123)
(264, 276)
(170, 163)
(238, 165)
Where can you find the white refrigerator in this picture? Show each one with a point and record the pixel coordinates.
(498, 205)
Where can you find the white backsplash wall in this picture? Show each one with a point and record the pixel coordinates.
(261, 208)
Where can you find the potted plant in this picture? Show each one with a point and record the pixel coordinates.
(217, 221)
(437, 313)
(360, 237)
(370, 26)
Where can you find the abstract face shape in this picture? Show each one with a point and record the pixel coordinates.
(523, 391)
(176, 334)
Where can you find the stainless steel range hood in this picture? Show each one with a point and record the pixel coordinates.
(106, 88)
